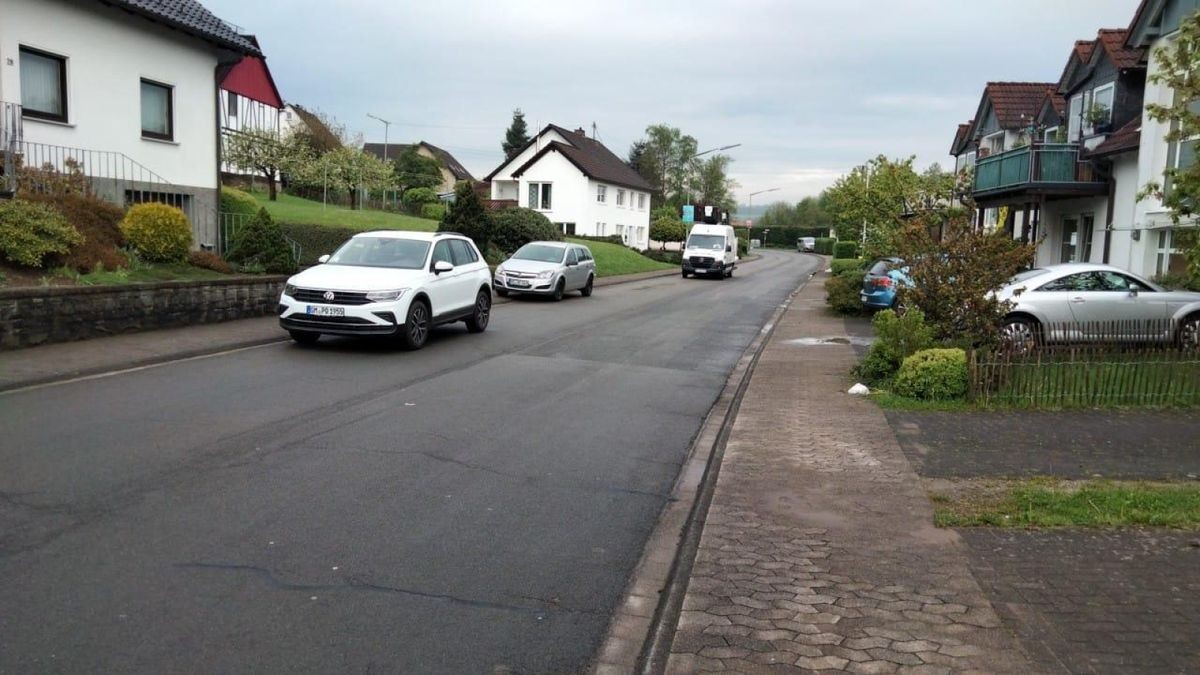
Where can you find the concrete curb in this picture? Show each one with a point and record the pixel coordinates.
(640, 633)
(138, 363)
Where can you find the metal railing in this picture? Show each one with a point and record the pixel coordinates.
(1085, 364)
(1036, 163)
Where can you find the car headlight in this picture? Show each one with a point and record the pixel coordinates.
(289, 290)
(385, 296)
(500, 270)
(546, 275)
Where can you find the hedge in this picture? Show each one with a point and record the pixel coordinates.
(837, 266)
(845, 249)
(933, 375)
(824, 245)
(316, 240)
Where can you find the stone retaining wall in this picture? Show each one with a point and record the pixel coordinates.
(33, 316)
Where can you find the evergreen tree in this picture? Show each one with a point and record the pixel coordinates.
(517, 135)
(467, 216)
(261, 241)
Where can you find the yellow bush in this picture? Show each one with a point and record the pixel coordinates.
(159, 233)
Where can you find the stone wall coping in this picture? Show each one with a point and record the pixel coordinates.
(58, 291)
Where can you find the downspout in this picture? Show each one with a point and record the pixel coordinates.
(1108, 213)
(216, 99)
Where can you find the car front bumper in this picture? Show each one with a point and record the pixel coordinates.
(716, 268)
(535, 287)
(376, 318)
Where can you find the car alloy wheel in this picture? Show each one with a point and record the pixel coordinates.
(417, 325)
(483, 312)
(1019, 336)
(586, 291)
(558, 290)
(1189, 334)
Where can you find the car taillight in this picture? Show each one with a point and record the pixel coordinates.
(883, 282)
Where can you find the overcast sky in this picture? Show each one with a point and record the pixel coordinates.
(808, 88)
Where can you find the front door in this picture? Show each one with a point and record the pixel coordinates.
(1070, 240)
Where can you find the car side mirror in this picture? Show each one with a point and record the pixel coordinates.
(442, 266)
(728, 248)
(323, 259)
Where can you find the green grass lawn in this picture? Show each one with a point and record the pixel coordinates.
(291, 209)
(613, 260)
(142, 273)
(1047, 503)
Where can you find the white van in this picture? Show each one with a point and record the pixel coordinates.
(710, 249)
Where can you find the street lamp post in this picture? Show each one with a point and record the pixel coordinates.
(750, 207)
(386, 126)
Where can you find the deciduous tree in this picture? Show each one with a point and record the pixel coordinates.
(267, 154)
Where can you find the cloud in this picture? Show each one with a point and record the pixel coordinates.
(809, 89)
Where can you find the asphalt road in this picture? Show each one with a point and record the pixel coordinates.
(474, 506)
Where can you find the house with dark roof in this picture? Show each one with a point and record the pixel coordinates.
(127, 90)
(579, 184)
(453, 170)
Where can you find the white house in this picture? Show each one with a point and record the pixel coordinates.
(1149, 245)
(579, 184)
(126, 89)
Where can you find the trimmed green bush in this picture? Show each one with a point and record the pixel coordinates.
(29, 232)
(234, 200)
(415, 197)
(97, 220)
(514, 227)
(843, 250)
(158, 232)
(843, 292)
(316, 240)
(260, 241)
(824, 245)
(433, 211)
(933, 375)
(838, 266)
(896, 338)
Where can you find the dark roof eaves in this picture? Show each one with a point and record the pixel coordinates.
(237, 43)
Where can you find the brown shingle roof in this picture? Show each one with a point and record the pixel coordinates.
(1128, 137)
(449, 161)
(1017, 103)
(589, 156)
(1113, 42)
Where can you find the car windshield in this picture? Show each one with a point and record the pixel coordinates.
(540, 253)
(713, 242)
(1026, 275)
(406, 254)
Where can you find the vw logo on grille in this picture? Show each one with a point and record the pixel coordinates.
(328, 295)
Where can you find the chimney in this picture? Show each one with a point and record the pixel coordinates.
(581, 132)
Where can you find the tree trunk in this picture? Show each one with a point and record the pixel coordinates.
(272, 191)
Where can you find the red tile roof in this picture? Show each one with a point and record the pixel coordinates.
(1128, 137)
(1083, 49)
(1017, 103)
(1113, 42)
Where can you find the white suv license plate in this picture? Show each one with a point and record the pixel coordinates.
(326, 311)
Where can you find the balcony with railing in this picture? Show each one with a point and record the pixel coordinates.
(1047, 169)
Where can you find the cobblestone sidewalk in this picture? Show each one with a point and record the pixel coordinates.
(819, 551)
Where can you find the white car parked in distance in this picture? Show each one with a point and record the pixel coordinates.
(547, 268)
(391, 283)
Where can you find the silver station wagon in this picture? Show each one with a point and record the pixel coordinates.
(548, 268)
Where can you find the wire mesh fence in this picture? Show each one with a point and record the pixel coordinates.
(1086, 364)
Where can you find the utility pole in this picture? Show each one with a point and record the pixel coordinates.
(386, 126)
(750, 207)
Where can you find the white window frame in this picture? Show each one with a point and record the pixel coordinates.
(1049, 134)
(990, 145)
(601, 194)
(641, 201)
(541, 204)
(1075, 118)
(620, 198)
(1164, 248)
(1090, 99)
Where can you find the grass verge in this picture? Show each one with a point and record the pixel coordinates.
(1043, 502)
(292, 209)
(613, 260)
(140, 273)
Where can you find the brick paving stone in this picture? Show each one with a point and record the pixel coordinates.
(816, 499)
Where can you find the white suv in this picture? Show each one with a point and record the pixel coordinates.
(390, 283)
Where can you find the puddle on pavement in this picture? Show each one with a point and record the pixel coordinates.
(840, 340)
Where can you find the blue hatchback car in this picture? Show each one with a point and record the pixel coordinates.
(882, 281)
